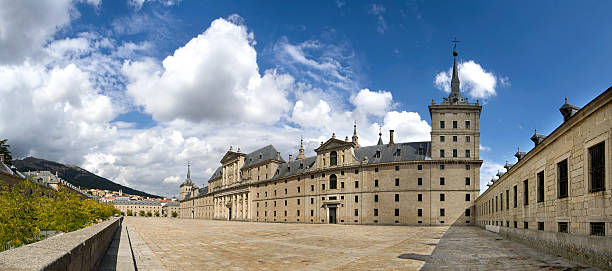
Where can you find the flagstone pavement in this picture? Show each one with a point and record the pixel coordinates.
(187, 244)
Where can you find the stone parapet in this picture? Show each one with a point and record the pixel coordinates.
(78, 250)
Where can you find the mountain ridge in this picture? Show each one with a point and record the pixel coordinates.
(75, 175)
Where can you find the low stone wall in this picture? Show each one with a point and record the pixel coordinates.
(78, 250)
(591, 250)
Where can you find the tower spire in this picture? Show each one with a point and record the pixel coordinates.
(355, 137)
(188, 170)
(380, 142)
(455, 95)
(301, 152)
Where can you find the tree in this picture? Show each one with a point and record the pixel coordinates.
(174, 214)
(4, 150)
(129, 212)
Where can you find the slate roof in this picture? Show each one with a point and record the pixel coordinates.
(173, 203)
(203, 190)
(264, 154)
(137, 202)
(408, 152)
(291, 168)
(217, 174)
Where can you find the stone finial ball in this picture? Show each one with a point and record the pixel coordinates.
(455, 53)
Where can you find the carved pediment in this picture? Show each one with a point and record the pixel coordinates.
(230, 155)
(334, 144)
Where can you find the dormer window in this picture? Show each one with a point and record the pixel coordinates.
(301, 166)
(260, 156)
(377, 154)
(420, 149)
(398, 152)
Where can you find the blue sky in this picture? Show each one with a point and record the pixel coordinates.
(132, 90)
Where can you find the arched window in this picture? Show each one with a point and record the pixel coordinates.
(333, 158)
(333, 181)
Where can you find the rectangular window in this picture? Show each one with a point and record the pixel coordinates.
(441, 124)
(442, 212)
(356, 184)
(598, 228)
(311, 187)
(454, 124)
(298, 201)
(467, 180)
(467, 167)
(356, 198)
(467, 212)
(322, 186)
(396, 181)
(507, 199)
(441, 138)
(515, 196)
(396, 212)
(597, 168)
(342, 185)
(419, 167)
(356, 171)
(541, 186)
(375, 198)
(454, 138)
(467, 124)
(441, 180)
(467, 139)
(441, 197)
(375, 183)
(356, 212)
(441, 153)
(285, 202)
(526, 192)
(420, 181)
(562, 179)
(467, 197)
(396, 168)
(419, 212)
(298, 189)
(563, 227)
(311, 212)
(515, 224)
(540, 226)
(298, 212)
(375, 169)
(420, 197)
(454, 152)
(467, 153)
(396, 197)
(311, 200)
(525, 225)
(501, 201)
(441, 167)
(375, 212)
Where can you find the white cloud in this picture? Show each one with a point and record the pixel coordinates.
(375, 103)
(484, 148)
(477, 82)
(137, 4)
(488, 170)
(173, 180)
(215, 76)
(378, 10)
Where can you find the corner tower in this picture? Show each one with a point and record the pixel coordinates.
(455, 133)
(187, 186)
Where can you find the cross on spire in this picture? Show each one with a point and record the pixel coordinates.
(455, 41)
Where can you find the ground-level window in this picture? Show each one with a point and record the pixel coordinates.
(598, 228)
(467, 181)
(467, 197)
(396, 212)
(420, 181)
(467, 212)
(375, 198)
(540, 226)
(375, 212)
(563, 227)
(356, 212)
(526, 225)
(419, 212)
(442, 213)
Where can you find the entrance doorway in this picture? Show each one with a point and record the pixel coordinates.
(230, 213)
(332, 215)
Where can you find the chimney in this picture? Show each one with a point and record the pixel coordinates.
(391, 142)
(537, 138)
(278, 157)
(290, 158)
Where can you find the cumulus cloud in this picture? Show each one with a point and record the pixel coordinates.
(475, 81)
(375, 103)
(215, 76)
(488, 170)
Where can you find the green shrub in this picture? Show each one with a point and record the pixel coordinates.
(129, 213)
(141, 213)
(149, 214)
(157, 213)
(174, 214)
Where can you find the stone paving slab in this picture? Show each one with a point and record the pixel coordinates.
(187, 244)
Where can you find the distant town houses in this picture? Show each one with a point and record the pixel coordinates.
(151, 208)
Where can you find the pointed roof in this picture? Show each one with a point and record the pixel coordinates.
(355, 137)
(455, 94)
(188, 179)
(380, 142)
(301, 154)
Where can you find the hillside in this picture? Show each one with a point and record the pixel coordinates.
(75, 175)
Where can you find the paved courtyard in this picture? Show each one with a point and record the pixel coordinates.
(185, 244)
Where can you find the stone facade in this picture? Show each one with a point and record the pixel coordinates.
(411, 183)
(559, 194)
(138, 205)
